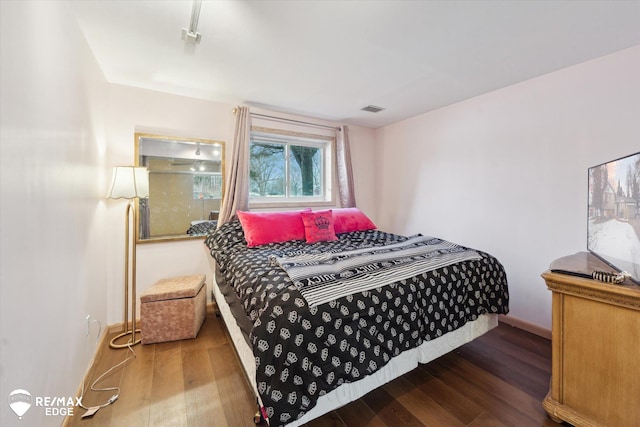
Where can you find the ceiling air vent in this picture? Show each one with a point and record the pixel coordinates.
(372, 109)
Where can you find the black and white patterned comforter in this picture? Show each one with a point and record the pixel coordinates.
(304, 352)
(202, 228)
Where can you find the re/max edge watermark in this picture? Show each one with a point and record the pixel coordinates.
(20, 401)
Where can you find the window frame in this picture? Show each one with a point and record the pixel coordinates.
(214, 176)
(287, 137)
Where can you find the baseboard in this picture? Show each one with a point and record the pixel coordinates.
(525, 326)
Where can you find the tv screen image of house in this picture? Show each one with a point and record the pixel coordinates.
(613, 230)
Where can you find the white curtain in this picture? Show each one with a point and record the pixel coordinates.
(236, 188)
(346, 194)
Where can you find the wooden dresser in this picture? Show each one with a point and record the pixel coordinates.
(595, 377)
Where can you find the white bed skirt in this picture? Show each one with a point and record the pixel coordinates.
(348, 392)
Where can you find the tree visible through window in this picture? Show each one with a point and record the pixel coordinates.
(267, 169)
(207, 186)
(286, 168)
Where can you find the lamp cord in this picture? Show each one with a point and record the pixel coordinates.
(93, 387)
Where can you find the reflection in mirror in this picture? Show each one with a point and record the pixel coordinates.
(185, 187)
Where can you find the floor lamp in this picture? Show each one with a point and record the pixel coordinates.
(131, 183)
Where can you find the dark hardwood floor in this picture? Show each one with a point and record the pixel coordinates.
(499, 379)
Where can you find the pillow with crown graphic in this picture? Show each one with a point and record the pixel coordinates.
(318, 226)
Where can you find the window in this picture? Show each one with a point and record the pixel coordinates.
(287, 168)
(207, 186)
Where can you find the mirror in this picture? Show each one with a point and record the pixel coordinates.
(186, 185)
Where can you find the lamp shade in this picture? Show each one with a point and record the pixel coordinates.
(129, 182)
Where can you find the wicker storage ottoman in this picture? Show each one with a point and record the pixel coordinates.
(173, 309)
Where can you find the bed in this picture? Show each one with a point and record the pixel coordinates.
(202, 227)
(306, 356)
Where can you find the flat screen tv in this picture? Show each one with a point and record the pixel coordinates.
(613, 230)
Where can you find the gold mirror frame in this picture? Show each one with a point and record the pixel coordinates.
(186, 187)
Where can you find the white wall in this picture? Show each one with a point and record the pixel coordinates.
(134, 110)
(506, 172)
(52, 207)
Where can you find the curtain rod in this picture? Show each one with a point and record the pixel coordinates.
(282, 119)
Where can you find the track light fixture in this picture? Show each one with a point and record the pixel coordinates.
(191, 34)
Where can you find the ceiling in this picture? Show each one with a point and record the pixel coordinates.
(328, 59)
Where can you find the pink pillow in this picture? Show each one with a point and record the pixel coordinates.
(346, 220)
(261, 228)
(318, 226)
